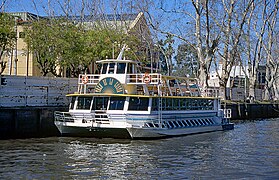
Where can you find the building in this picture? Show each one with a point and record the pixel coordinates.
(238, 84)
(21, 62)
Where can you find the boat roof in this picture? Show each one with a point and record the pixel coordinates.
(135, 95)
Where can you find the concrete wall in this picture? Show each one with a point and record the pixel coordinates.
(27, 105)
(21, 91)
(28, 122)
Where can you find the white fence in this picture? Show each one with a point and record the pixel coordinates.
(20, 91)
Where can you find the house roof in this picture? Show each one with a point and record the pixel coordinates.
(102, 17)
(26, 16)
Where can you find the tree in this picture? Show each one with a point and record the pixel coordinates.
(166, 52)
(272, 64)
(7, 38)
(43, 41)
(259, 37)
(60, 44)
(186, 61)
(234, 18)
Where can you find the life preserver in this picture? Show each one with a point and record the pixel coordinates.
(84, 79)
(146, 78)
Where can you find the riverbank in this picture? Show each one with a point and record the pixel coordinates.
(28, 122)
(248, 111)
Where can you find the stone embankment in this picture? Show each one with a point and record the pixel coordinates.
(249, 111)
(27, 105)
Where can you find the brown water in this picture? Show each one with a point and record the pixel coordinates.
(250, 151)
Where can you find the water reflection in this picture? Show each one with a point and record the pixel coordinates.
(250, 151)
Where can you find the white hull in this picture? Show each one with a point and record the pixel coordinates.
(138, 133)
(68, 129)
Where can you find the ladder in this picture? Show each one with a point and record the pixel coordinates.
(160, 108)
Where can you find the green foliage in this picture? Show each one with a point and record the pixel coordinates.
(166, 52)
(7, 37)
(60, 44)
(186, 61)
(42, 39)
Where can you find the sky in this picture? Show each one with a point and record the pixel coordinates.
(45, 7)
(24, 6)
(169, 21)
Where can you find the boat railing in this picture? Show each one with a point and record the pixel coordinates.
(144, 78)
(101, 116)
(140, 78)
(70, 117)
(88, 79)
(154, 83)
(63, 116)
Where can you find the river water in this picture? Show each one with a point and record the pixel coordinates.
(250, 151)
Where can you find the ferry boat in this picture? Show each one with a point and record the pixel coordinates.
(123, 102)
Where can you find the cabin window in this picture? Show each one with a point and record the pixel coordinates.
(169, 104)
(84, 102)
(138, 104)
(155, 104)
(111, 68)
(163, 104)
(117, 103)
(121, 68)
(130, 68)
(176, 104)
(210, 104)
(105, 66)
(100, 103)
(72, 103)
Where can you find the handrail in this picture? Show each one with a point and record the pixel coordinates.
(170, 85)
(83, 117)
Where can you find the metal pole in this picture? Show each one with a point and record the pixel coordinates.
(15, 58)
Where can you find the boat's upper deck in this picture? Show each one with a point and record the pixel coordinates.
(121, 76)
